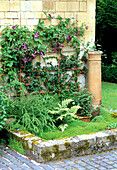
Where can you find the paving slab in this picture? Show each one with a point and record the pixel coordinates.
(11, 160)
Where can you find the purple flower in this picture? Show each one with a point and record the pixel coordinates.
(35, 52)
(55, 50)
(86, 27)
(68, 38)
(25, 60)
(15, 48)
(36, 35)
(24, 46)
(13, 27)
(22, 55)
(45, 49)
(56, 43)
(33, 55)
(42, 53)
(61, 46)
(50, 16)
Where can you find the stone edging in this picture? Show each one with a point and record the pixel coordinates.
(44, 151)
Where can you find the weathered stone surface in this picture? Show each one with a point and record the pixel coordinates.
(44, 151)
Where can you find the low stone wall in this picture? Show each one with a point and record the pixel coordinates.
(44, 151)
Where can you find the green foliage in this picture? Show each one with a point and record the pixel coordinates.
(31, 112)
(78, 127)
(112, 125)
(4, 102)
(114, 56)
(109, 74)
(107, 13)
(16, 145)
(114, 114)
(106, 27)
(20, 47)
(83, 98)
(62, 115)
(2, 121)
(98, 119)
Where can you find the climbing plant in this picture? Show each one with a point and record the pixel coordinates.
(20, 47)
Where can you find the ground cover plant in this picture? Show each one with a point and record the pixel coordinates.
(15, 145)
(78, 127)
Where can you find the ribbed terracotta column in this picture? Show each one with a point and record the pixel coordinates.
(94, 76)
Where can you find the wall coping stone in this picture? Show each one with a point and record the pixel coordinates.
(49, 150)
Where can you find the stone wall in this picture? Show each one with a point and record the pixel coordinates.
(44, 151)
(27, 12)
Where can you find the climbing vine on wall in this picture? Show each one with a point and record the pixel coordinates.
(20, 47)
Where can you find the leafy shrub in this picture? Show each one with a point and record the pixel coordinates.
(2, 121)
(31, 112)
(62, 115)
(106, 26)
(4, 102)
(109, 74)
(112, 125)
(83, 98)
(114, 56)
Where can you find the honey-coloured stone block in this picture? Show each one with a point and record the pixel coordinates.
(6, 22)
(61, 6)
(23, 22)
(50, 5)
(73, 6)
(36, 6)
(69, 15)
(83, 6)
(38, 14)
(16, 22)
(25, 5)
(4, 6)
(29, 15)
(11, 15)
(32, 22)
(46, 22)
(15, 5)
(2, 15)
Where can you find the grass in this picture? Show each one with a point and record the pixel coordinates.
(15, 145)
(109, 100)
(79, 128)
(109, 95)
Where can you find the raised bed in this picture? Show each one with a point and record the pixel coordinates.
(44, 151)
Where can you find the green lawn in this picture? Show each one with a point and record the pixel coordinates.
(109, 100)
(109, 95)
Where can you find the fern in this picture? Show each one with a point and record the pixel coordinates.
(63, 115)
